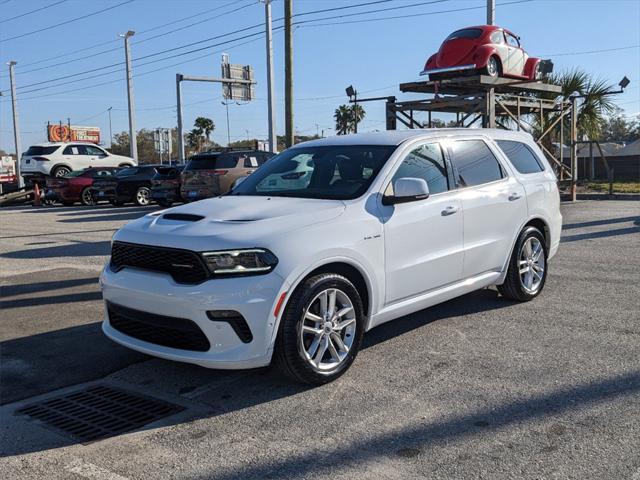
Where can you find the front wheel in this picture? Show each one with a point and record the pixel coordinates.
(143, 196)
(321, 329)
(527, 267)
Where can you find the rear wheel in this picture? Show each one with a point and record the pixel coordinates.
(143, 196)
(86, 197)
(527, 267)
(493, 68)
(321, 329)
(61, 171)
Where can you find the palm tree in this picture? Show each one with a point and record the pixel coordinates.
(346, 116)
(206, 125)
(342, 117)
(594, 103)
(193, 139)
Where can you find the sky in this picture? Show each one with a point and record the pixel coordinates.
(372, 51)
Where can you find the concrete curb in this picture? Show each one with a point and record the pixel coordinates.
(601, 196)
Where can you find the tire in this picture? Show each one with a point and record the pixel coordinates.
(493, 68)
(526, 285)
(86, 197)
(293, 344)
(143, 196)
(60, 171)
(125, 165)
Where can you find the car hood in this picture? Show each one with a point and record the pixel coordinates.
(229, 222)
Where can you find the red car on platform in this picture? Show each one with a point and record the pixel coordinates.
(76, 186)
(485, 49)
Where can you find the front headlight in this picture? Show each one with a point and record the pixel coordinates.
(242, 261)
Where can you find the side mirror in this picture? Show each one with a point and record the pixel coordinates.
(407, 189)
(238, 182)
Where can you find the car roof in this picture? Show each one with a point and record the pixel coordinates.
(58, 144)
(397, 137)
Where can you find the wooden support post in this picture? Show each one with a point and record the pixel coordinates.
(390, 110)
(490, 108)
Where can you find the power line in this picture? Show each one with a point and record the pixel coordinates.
(398, 16)
(108, 42)
(590, 51)
(32, 11)
(33, 32)
(93, 55)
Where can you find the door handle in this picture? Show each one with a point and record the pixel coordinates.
(450, 210)
(514, 196)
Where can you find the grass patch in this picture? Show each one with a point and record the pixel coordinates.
(618, 187)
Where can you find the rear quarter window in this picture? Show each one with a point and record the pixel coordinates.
(35, 150)
(521, 156)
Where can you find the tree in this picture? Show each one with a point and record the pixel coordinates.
(617, 128)
(346, 117)
(206, 126)
(194, 138)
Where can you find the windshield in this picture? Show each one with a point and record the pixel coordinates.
(328, 172)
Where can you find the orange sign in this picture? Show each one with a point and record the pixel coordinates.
(75, 133)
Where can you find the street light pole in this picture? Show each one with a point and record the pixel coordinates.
(16, 123)
(133, 140)
(273, 142)
(110, 129)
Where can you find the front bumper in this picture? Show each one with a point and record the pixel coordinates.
(434, 71)
(253, 297)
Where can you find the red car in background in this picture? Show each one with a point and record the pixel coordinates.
(76, 186)
(486, 49)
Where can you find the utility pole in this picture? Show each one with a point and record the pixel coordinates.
(110, 129)
(273, 138)
(288, 73)
(133, 140)
(574, 147)
(226, 104)
(491, 12)
(179, 114)
(16, 123)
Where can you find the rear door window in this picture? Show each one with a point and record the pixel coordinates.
(75, 150)
(474, 162)
(521, 156)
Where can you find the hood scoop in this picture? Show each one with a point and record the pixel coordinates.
(184, 217)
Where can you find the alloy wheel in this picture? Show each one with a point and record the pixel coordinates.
(327, 330)
(142, 196)
(531, 265)
(61, 172)
(87, 197)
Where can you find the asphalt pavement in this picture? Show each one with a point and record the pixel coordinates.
(477, 387)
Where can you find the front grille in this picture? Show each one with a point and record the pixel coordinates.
(184, 266)
(173, 332)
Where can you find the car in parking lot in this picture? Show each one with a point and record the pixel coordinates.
(58, 159)
(213, 173)
(165, 185)
(77, 185)
(388, 223)
(128, 185)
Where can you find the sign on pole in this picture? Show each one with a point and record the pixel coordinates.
(238, 91)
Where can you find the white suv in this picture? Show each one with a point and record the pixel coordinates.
(58, 159)
(387, 224)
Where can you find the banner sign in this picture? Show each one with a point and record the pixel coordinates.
(73, 133)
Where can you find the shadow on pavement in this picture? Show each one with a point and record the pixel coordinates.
(112, 217)
(39, 301)
(36, 287)
(595, 223)
(603, 234)
(85, 249)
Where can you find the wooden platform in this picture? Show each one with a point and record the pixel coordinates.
(478, 83)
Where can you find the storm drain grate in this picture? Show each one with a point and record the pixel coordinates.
(98, 412)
